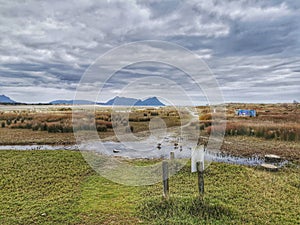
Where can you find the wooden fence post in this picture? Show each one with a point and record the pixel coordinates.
(165, 177)
(172, 155)
(200, 170)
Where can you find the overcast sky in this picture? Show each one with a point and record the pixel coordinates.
(252, 47)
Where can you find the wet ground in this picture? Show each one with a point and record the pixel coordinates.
(146, 150)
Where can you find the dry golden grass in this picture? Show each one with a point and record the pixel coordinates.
(27, 136)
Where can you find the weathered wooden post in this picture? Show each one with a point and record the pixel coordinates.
(200, 171)
(197, 165)
(172, 156)
(172, 165)
(165, 177)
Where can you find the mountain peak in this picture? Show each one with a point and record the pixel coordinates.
(5, 99)
(153, 101)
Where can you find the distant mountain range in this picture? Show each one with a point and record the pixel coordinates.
(133, 102)
(121, 101)
(71, 102)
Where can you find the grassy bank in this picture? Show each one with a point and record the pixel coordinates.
(58, 187)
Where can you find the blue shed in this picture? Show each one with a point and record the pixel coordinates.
(246, 112)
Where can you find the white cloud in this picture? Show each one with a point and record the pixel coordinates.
(51, 43)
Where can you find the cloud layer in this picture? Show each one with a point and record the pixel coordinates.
(252, 47)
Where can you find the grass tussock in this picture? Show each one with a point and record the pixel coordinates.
(278, 131)
(188, 210)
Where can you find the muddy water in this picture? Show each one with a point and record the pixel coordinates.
(134, 150)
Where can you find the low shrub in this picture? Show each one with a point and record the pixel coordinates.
(108, 124)
(21, 126)
(59, 128)
(154, 113)
(283, 132)
(55, 128)
(67, 129)
(101, 128)
(36, 127)
(206, 116)
(44, 127)
(8, 122)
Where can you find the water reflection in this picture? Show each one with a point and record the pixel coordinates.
(135, 150)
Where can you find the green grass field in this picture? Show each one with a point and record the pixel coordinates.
(58, 187)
